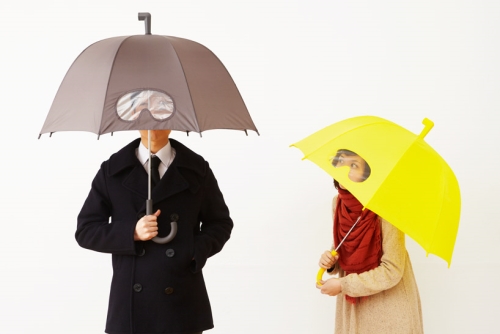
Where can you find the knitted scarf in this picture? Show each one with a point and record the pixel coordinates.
(362, 249)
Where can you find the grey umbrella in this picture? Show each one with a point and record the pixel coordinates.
(147, 82)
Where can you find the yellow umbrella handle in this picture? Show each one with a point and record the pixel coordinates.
(321, 271)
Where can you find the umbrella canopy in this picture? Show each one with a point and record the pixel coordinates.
(200, 93)
(410, 184)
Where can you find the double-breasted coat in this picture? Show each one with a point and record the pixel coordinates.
(156, 288)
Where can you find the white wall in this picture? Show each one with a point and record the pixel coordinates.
(300, 65)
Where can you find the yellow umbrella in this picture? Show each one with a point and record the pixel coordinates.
(410, 184)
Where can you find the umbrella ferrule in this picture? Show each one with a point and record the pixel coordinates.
(428, 125)
(146, 17)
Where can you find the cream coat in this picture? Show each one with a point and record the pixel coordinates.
(392, 304)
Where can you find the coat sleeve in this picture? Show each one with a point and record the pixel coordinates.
(387, 274)
(216, 224)
(94, 229)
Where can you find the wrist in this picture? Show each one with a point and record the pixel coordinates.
(341, 284)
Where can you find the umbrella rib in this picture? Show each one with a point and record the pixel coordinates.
(107, 85)
(187, 84)
(431, 244)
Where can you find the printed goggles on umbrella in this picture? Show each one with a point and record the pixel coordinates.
(159, 104)
(359, 170)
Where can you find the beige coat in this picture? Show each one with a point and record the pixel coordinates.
(393, 302)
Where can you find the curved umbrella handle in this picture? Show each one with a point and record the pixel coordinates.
(321, 271)
(169, 237)
(173, 224)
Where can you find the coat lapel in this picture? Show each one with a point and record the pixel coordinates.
(137, 181)
(134, 176)
(171, 183)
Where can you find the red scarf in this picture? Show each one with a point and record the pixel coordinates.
(362, 249)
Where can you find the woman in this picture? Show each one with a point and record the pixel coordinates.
(376, 288)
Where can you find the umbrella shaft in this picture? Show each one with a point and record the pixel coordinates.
(349, 232)
(149, 165)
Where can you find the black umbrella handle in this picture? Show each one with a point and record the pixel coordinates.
(149, 207)
(146, 17)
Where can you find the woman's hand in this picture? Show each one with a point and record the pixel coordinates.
(330, 287)
(327, 260)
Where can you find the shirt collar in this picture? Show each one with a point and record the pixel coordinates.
(165, 154)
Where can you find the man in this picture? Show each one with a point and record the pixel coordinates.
(156, 288)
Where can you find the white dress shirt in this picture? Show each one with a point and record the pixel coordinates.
(166, 155)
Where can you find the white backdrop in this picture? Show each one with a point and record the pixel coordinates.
(300, 65)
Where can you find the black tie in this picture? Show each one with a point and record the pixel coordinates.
(155, 173)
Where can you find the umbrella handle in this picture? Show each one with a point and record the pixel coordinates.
(173, 225)
(321, 271)
(169, 237)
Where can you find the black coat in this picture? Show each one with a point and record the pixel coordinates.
(156, 288)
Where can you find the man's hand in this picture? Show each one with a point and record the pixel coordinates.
(330, 287)
(147, 227)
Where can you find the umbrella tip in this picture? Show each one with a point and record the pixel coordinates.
(428, 125)
(146, 17)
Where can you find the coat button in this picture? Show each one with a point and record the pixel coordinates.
(140, 215)
(137, 287)
(142, 252)
(169, 291)
(174, 217)
(170, 252)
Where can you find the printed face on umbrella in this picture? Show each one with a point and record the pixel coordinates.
(159, 104)
(359, 170)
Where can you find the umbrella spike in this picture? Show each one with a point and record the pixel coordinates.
(50, 136)
(246, 132)
(146, 17)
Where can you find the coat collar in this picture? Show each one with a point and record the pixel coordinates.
(183, 173)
